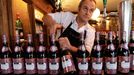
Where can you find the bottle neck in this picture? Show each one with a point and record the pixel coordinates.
(41, 43)
(52, 37)
(110, 38)
(97, 39)
(5, 44)
(30, 42)
(132, 37)
(18, 44)
(17, 40)
(123, 40)
(4, 40)
(41, 38)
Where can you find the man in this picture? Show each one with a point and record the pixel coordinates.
(79, 23)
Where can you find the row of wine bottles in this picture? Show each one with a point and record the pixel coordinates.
(31, 61)
(111, 59)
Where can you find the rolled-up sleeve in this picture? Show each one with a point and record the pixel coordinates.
(63, 18)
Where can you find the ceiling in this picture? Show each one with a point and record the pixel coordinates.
(72, 5)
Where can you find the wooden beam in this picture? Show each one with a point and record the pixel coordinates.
(28, 1)
(43, 5)
(10, 23)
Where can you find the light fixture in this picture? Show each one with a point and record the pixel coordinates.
(95, 14)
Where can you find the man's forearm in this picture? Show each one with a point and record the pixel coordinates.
(73, 48)
(48, 20)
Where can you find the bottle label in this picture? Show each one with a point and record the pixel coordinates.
(18, 64)
(111, 68)
(30, 66)
(123, 64)
(96, 65)
(132, 62)
(66, 61)
(54, 64)
(42, 64)
(83, 65)
(68, 64)
(111, 63)
(6, 65)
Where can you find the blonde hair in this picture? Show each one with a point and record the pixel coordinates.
(81, 2)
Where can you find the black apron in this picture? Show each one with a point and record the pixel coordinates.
(72, 35)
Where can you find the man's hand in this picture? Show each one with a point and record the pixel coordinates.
(64, 42)
(51, 24)
(54, 28)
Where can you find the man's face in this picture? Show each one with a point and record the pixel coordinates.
(86, 10)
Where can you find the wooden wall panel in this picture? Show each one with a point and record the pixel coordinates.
(4, 27)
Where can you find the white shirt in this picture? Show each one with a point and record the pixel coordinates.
(65, 18)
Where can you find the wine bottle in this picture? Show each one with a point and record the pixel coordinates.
(18, 57)
(131, 48)
(54, 57)
(83, 57)
(110, 56)
(30, 57)
(42, 62)
(116, 40)
(97, 56)
(67, 62)
(102, 40)
(123, 56)
(5, 55)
